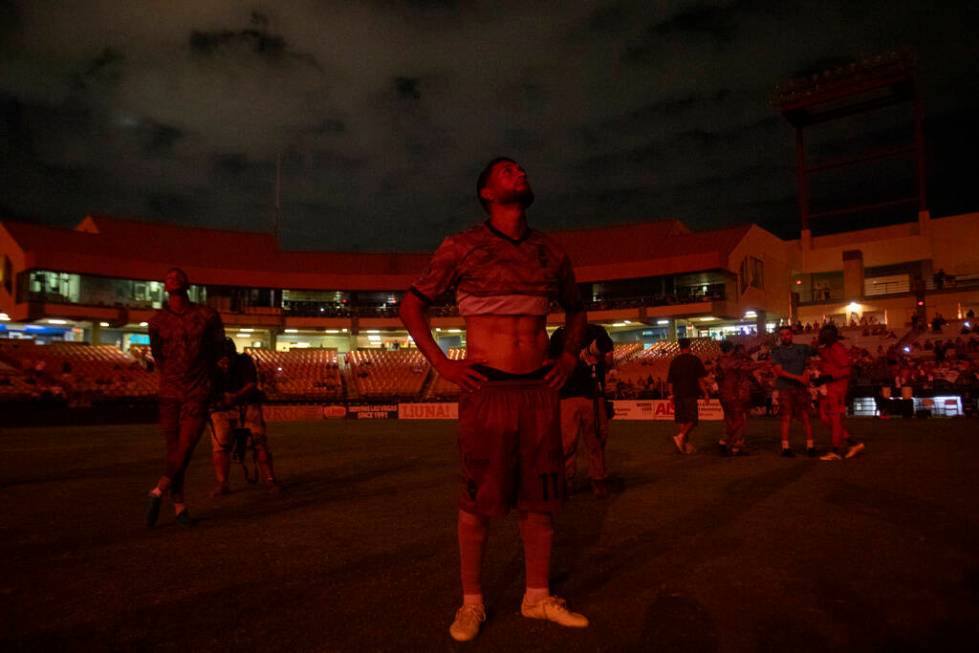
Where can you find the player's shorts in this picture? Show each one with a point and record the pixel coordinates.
(794, 400)
(685, 410)
(223, 422)
(510, 446)
(834, 401)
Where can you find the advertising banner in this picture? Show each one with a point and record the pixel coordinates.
(662, 410)
(428, 411)
(373, 411)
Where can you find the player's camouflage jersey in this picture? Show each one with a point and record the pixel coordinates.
(493, 274)
(186, 348)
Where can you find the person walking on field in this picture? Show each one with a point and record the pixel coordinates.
(505, 276)
(686, 380)
(187, 340)
(835, 367)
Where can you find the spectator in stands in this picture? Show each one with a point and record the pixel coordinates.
(939, 279)
(584, 417)
(686, 379)
(237, 404)
(505, 276)
(186, 339)
(790, 361)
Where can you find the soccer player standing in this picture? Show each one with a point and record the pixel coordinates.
(505, 276)
(186, 340)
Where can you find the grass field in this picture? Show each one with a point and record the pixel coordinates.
(693, 553)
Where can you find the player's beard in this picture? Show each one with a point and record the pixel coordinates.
(523, 197)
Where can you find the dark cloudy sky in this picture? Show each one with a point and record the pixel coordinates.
(383, 111)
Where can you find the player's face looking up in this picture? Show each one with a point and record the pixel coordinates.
(507, 184)
(176, 281)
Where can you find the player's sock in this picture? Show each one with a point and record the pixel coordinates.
(785, 444)
(472, 599)
(810, 444)
(472, 542)
(179, 508)
(534, 595)
(156, 492)
(537, 533)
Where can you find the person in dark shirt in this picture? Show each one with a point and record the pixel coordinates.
(583, 405)
(790, 362)
(186, 340)
(237, 404)
(686, 383)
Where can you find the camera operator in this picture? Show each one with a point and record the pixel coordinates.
(236, 408)
(585, 411)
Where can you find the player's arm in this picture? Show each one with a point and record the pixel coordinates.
(156, 344)
(414, 315)
(575, 324)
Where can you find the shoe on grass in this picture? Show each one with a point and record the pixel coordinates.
(467, 622)
(831, 457)
(184, 518)
(855, 450)
(599, 488)
(553, 609)
(153, 502)
(787, 453)
(678, 442)
(811, 452)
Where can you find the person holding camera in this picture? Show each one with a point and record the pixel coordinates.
(237, 422)
(585, 411)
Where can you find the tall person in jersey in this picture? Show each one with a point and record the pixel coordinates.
(187, 339)
(505, 276)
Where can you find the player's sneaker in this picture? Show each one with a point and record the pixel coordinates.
(688, 448)
(678, 441)
(855, 450)
(553, 609)
(831, 456)
(740, 452)
(599, 488)
(723, 449)
(787, 453)
(220, 490)
(467, 622)
(184, 519)
(811, 452)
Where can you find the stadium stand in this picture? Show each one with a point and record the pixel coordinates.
(375, 373)
(298, 374)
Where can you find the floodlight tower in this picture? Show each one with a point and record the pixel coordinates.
(842, 93)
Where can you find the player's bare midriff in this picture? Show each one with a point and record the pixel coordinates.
(511, 343)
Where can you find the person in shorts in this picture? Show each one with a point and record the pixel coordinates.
(505, 276)
(186, 340)
(789, 363)
(686, 383)
(734, 368)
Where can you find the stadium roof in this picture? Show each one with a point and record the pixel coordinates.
(136, 249)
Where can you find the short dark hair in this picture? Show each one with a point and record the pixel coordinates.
(684, 343)
(727, 346)
(786, 326)
(484, 176)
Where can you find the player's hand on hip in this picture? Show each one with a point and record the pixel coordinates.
(560, 370)
(462, 374)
